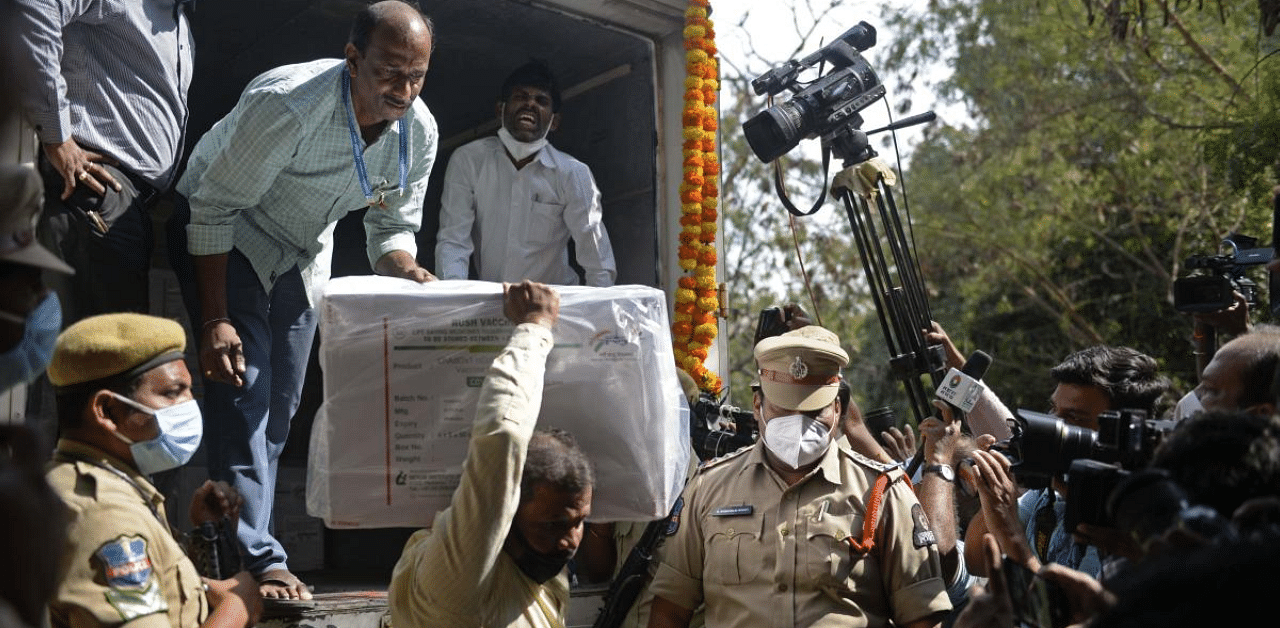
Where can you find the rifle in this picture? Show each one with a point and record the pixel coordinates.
(634, 575)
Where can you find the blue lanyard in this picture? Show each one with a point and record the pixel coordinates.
(358, 153)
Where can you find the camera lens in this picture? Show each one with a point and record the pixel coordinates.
(1049, 444)
(776, 130)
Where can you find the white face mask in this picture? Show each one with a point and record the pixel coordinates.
(520, 150)
(181, 428)
(1188, 406)
(796, 440)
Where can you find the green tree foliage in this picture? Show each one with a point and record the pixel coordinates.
(1096, 162)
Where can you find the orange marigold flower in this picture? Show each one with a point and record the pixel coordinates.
(682, 329)
(687, 282)
(707, 257)
(710, 124)
(686, 310)
(691, 196)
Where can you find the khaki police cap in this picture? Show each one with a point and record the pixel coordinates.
(20, 198)
(114, 346)
(800, 370)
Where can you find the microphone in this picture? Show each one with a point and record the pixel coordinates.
(960, 389)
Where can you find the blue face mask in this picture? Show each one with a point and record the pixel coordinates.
(180, 431)
(23, 363)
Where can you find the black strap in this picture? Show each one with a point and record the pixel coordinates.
(782, 191)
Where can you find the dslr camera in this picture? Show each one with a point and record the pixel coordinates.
(1095, 463)
(1043, 446)
(1215, 277)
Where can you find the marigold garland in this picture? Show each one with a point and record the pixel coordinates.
(694, 327)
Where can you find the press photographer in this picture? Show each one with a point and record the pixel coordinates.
(1029, 526)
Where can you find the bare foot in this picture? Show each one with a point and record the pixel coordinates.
(281, 584)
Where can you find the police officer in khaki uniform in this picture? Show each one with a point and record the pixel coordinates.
(125, 411)
(794, 531)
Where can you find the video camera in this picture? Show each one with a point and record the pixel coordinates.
(827, 107)
(1216, 277)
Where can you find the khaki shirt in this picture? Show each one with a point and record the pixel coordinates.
(761, 554)
(455, 574)
(121, 565)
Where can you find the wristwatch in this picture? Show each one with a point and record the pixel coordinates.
(943, 470)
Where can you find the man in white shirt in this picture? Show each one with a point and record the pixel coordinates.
(515, 200)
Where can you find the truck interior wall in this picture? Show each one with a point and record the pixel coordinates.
(609, 122)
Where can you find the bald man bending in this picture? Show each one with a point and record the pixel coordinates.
(306, 144)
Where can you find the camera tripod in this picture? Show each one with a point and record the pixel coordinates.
(887, 253)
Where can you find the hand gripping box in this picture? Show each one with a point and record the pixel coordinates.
(403, 364)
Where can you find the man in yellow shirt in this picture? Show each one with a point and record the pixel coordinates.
(497, 555)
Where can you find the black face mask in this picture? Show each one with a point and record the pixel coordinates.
(538, 566)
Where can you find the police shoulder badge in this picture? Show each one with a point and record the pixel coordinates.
(673, 522)
(798, 370)
(128, 573)
(921, 534)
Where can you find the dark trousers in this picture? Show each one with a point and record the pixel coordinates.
(111, 265)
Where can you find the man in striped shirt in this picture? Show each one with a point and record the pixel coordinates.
(104, 82)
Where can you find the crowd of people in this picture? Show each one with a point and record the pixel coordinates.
(817, 523)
